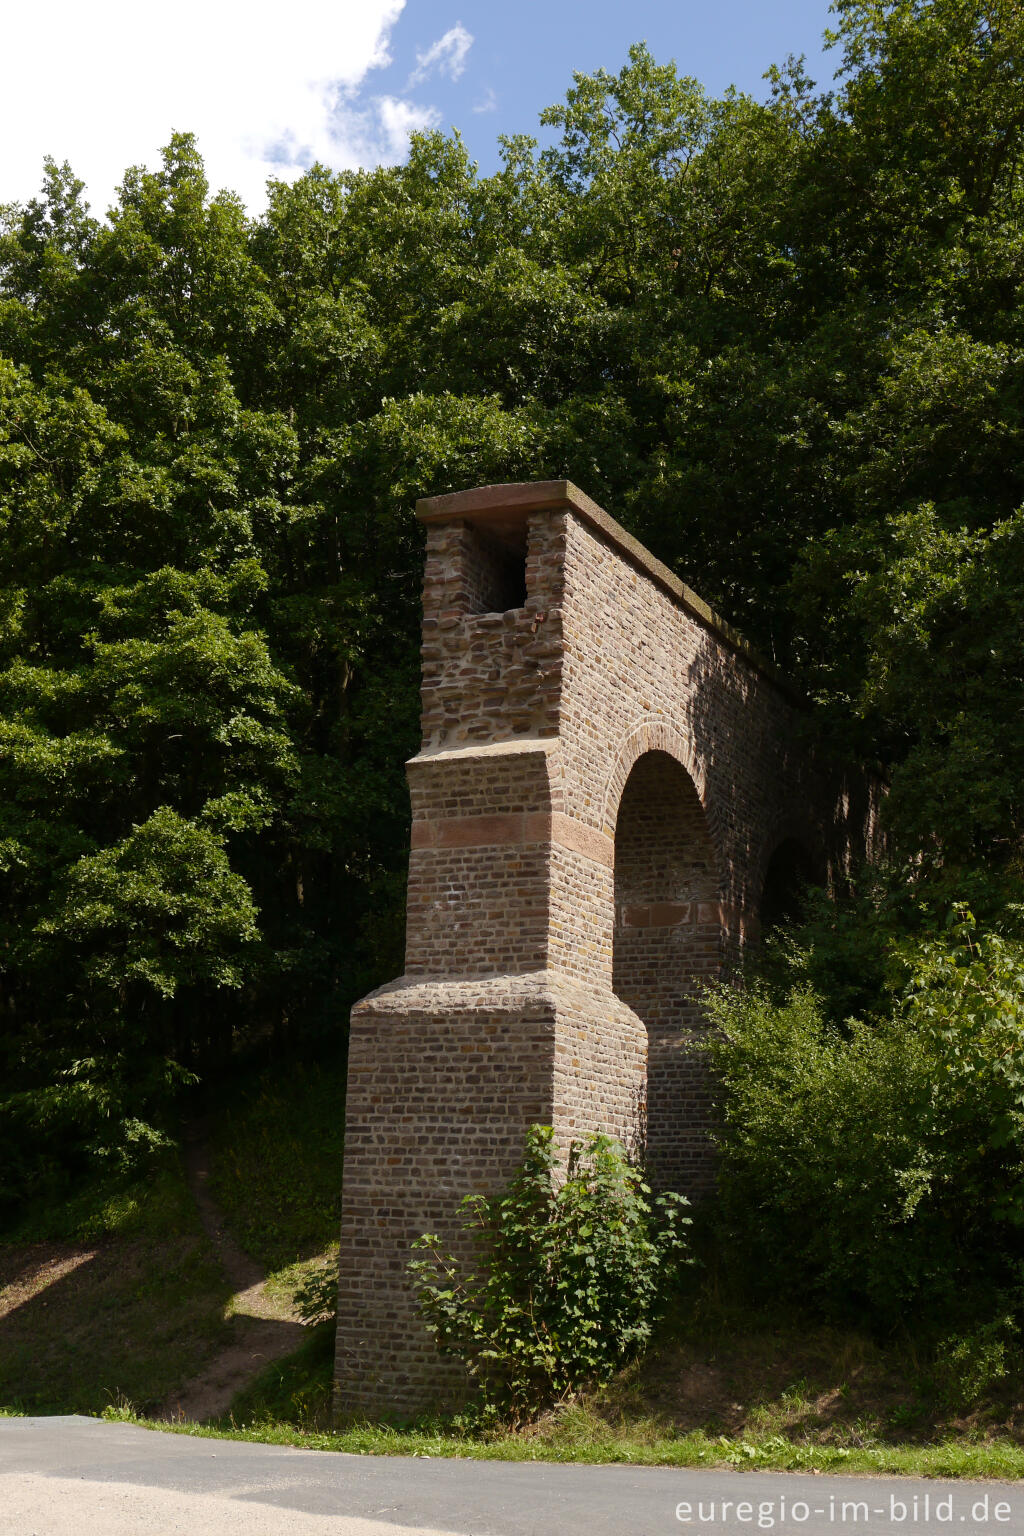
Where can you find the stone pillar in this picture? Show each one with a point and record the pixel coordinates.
(490, 1030)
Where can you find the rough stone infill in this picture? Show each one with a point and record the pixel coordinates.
(480, 664)
(612, 789)
(501, 508)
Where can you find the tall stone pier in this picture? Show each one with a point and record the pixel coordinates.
(611, 792)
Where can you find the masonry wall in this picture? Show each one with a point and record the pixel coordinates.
(490, 676)
(477, 896)
(606, 771)
(443, 1084)
(688, 758)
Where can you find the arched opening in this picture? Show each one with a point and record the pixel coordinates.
(667, 941)
(790, 871)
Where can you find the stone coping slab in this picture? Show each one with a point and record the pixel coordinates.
(507, 505)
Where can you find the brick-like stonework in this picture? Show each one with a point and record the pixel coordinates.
(610, 789)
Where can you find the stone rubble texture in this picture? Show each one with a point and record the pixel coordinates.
(610, 783)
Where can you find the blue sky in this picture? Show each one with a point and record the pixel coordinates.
(523, 55)
(269, 88)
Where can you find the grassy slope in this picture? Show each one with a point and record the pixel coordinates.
(113, 1297)
(275, 1170)
(723, 1387)
(275, 1166)
(780, 1394)
(116, 1296)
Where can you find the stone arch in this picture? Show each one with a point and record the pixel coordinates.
(667, 941)
(656, 736)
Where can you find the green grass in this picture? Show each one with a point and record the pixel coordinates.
(737, 1377)
(803, 1397)
(295, 1391)
(135, 1321)
(110, 1296)
(149, 1204)
(134, 1305)
(113, 1294)
(275, 1164)
(580, 1434)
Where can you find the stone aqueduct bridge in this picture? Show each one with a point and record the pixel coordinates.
(609, 798)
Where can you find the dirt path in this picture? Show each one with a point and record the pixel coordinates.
(263, 1329)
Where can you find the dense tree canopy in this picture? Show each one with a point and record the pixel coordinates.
(780, 340)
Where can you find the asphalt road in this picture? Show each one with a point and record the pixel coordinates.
(81, 1476)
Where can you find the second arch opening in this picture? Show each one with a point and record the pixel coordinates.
(667, 942)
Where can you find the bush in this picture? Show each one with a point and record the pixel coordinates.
(880, 1164)
(572, 1272)
(316, 1297)
(970, 1365)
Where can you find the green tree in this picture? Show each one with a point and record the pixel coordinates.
(779, 339)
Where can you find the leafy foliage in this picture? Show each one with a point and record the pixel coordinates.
(572, 1271)
(881, 1164)
(779, 339)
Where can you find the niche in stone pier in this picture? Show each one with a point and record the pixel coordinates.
(493, 569)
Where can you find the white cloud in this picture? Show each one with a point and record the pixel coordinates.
(400, 118)
(447, 55)
(266, 88)
(489, 102)
(377, 132)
